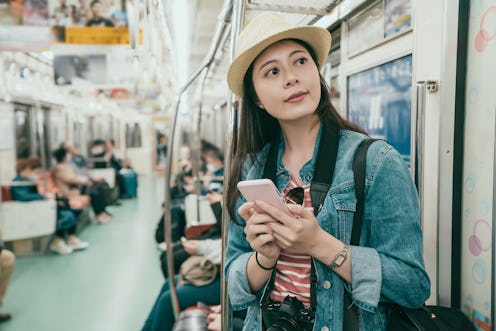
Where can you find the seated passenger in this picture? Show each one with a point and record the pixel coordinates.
(125, 177)
(69, 184)
(99, 189)
(179, 251)
(97, 152)
(28, 171)
(214, 161)
(161, 316)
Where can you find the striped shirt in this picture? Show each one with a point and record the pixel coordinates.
(293, 269)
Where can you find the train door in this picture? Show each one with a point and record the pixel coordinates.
(392, 75)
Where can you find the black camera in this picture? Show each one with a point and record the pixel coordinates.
(288, 315)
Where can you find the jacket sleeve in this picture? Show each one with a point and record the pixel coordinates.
(238, 253)
(23, 193)
(388, 265)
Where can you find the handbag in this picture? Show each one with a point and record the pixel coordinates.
(62, 203)
(198, 271)
(424, 318)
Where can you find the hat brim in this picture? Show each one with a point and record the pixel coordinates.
(317, 38)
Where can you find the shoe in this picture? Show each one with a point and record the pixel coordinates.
(59, 246)
(102, 218)
(117, 203)
(77, 244)
(5, 317)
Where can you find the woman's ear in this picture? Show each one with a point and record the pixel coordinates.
(259, 104)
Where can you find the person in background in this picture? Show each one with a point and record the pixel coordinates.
(214, 161)
(28, 172)
(161, 317)
(99, 189)
(7, 260)
(96, 18)
(77, 161)
(304, 261)
(69, 184)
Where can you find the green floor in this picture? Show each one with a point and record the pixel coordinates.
(109, 287)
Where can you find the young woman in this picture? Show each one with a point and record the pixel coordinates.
(284, 98)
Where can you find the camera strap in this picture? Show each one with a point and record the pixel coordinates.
(320, 185)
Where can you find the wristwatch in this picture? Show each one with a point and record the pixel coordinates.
(340, 257)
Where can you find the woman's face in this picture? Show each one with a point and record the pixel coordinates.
(287, 81)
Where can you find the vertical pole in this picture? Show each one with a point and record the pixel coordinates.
(493, 252)
(231, 139)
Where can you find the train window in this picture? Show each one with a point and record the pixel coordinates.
(136, 135)
(22, 130)
(379, 100)
(44, 136)
(133, 136)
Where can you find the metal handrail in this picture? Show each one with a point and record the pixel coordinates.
(231, 139)
(419, 143)
(220, 30)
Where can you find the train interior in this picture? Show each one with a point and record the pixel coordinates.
(149, 78)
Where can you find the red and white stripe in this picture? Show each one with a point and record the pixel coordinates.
(293, 269)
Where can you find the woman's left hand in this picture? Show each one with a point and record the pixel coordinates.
(297, 233)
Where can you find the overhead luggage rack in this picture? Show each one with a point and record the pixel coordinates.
(309, 7)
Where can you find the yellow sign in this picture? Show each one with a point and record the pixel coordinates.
(92, 35)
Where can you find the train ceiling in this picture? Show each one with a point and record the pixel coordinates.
(140, 61)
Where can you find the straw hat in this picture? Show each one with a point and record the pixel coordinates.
(263, 31)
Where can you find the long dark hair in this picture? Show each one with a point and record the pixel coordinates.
(257, 128)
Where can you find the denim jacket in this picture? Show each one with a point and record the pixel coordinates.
(387, 266)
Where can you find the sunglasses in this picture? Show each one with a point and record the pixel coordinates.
(295, 196)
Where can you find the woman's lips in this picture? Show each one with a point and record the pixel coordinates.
(296, 97)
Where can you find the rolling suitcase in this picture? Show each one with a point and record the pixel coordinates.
(130, 182)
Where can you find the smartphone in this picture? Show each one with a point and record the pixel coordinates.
(264, 190)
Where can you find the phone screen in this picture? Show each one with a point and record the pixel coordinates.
(264, 190)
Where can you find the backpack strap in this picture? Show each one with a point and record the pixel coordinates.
(324, 167)
(359, 164)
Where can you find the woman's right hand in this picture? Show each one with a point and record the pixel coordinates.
(258, 234)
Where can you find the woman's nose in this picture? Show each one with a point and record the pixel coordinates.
(291, 81)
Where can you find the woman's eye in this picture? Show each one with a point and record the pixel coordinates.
(301, 61)
(272, 72)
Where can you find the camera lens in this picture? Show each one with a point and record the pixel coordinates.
(285, 324)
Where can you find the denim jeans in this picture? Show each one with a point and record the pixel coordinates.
(162, 317)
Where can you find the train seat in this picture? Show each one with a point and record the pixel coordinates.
(6, 196)
(28, 219)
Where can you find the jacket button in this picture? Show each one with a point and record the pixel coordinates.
(326, 284)
(324, 328)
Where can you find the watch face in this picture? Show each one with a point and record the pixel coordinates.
(340, 260)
